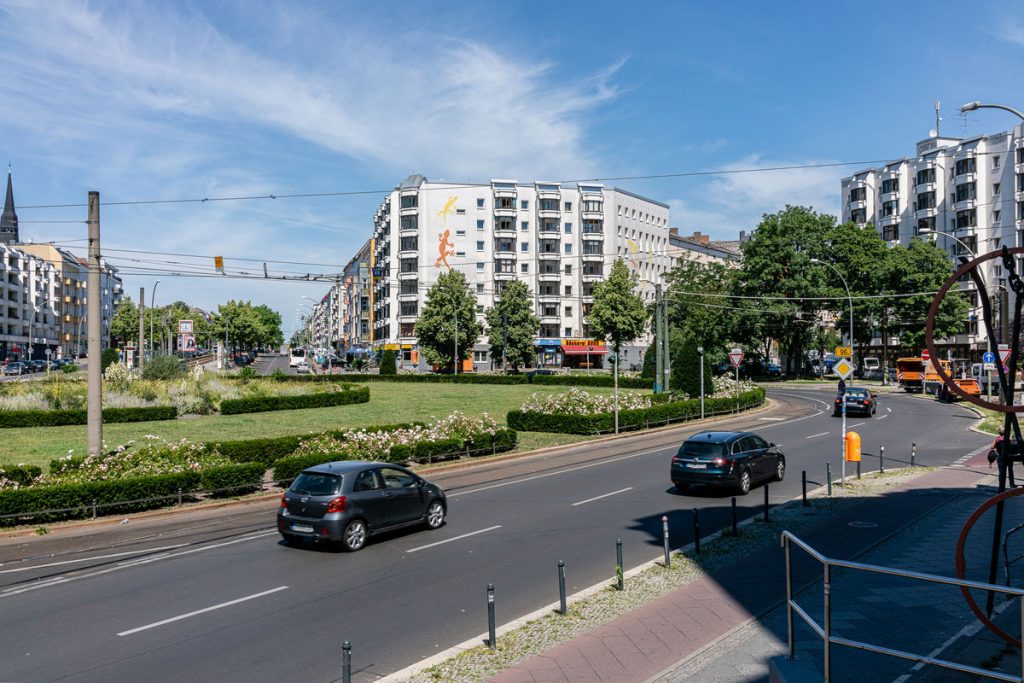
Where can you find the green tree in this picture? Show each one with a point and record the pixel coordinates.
(650, 365)
(125, 323)
(686, 359)
(922, 267)
(448, 319)
(270, 334)
(241, 321)
(693, 307)
(513, 323)
(618, 314)
(387, 363)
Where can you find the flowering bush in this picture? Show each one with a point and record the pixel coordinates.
(726, 386)
(118, 376)
(579, 402)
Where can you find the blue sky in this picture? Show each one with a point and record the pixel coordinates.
(157, 100)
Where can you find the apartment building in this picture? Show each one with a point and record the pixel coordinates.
(559, 240)
(702, 249)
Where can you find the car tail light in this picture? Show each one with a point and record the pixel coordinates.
(867, 402)
(723, 461)
(284, 503)
(337, 505)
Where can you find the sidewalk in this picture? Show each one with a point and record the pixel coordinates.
(726, 628)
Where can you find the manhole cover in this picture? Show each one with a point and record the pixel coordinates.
(863, 525)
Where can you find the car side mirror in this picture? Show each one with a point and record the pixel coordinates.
(421, 482)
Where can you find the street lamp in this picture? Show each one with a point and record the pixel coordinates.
(972, 106)
(152, 304)
(842, 399)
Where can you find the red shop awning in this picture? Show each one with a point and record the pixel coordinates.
(583, 350)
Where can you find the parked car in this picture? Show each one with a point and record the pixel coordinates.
(732, 459)
(37, 365)
(349, 501)
(302, 367)
(15, 368)
(539, 371)
(774, 370)
(858, 400)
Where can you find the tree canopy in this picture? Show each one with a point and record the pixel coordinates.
(513, 323)
(618, 313)
(448, 316)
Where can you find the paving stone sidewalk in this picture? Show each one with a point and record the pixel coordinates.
(704, 631)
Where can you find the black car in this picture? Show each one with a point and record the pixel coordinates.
(733, 459)
(859, 400)
(38, 365)
(349, 501)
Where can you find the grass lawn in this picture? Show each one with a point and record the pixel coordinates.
(389, 402)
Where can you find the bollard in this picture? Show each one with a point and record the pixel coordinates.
(803, 484)
(696, 531)
(766, 503)
(491, 638)
(881, 459)
(735, 527)
(913, 453)
(618, 562)
(346, 662)
(179, 496)
(858, 469)
(828, 477)
(664, 533)
(561, 588)
(94, 508)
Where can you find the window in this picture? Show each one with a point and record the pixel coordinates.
(479, 267)
(460, 254)
(479, 308)
(479, 356)
(408, 308)
(524, 246)
(926, 175)
(568, 228)
(524, 204)
(396, 479)
(965, 166)
(479, 245)
(996, 215)
(995, 161)
(568, 290)
(547, 204)
(479, 286)
(506, 203)
(891, 185)
(966, 219)
(858, 194)
(891, 233)
(410, 222)
(524, 267)
(925, 225)
(479, 225)
(568, 266)
(995, 188)
(567, 207)
(525, 226)
(568, 311)
(568, 248)
(409, 244)
(889, 208)
(460, 233)
(926, 200)
(964, 192)
(410, 202)
(460, 212)
(596, 205)
(480, 203)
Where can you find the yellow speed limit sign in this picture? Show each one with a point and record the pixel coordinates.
(844, 352)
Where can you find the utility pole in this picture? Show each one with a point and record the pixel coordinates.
(504, 341)
(659, 357)
(142, 326)
(95, 406)
(667, 362)
(455, 360)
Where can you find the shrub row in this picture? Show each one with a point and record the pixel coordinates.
(261, 404)
(56, 418)
(658, 414)
(23, 474)
(557, 380)
(75, 500)
(426, 451)
(593, 381)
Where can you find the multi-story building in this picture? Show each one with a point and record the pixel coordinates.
(968, 195)
(699, 247)
(44, 294)
(558, 239)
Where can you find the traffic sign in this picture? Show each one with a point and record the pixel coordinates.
(1004, 354)
(736, 357)
(843, 368)
(926, 355)
(988, 357)
(844, 352)
(185, 327)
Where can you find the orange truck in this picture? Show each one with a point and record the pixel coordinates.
(910, 374)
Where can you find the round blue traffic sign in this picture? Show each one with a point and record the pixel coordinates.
(989, 357)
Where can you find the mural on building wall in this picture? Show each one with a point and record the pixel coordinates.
(634, 263)
(445, 248)
(449, 207)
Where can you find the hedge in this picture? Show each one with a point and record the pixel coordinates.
(658, 414)
(468, 378)
(74, 501)
(288, 468)
(233, 479)
(56, 418)
(261, 404)
(23, 474)
(593, 381)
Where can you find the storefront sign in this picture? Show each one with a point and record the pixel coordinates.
(572, 347)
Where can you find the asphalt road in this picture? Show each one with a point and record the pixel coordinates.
(220, 598)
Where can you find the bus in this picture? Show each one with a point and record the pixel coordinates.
(296, 355)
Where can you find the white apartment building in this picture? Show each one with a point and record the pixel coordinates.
(971, 189)
(559, 240)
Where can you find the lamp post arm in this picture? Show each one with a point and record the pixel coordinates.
(971, 106)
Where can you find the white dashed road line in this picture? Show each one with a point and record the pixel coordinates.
(591, 500)
(88, 559)
(454, 538)
(202, 611)
(813, 436)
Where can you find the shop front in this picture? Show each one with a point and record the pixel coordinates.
(583, 353)
(549, 353)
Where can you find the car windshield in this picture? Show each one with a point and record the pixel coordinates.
(702, 449)
(316, 484)
(857, 393)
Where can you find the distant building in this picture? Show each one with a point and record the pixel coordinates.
(700, 247)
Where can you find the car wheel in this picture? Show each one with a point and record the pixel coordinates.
(435, 515)
(744, 483)
(354, 536)
(780, 469)
(681, 487)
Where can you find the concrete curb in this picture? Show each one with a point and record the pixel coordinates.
(455, 650)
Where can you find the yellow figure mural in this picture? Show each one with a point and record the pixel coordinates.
(633, 251)
(445, 248)
(448, 208)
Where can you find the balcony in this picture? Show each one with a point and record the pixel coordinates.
(549, 230)
(965, 204)
(858, 204)
(549, 319)
(550, 277)
(406, 253)
(593, 234)
(408, 275)
(549, 298)
(926, 213)
(504, 275)
(506, 230)
(592, 277)
(549, 213)
(889, 220)
(408, 297)
(504, 212)
(889, 196)
(505, 251)
(591, 257)
(591, 214)
(549, 255)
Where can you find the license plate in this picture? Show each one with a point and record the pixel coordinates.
(304, 528)
(697, 466)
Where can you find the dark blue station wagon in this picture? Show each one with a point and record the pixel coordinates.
(732, 459)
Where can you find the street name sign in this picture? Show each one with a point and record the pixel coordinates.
(843, 368)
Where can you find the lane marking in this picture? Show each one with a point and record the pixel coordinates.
(816, 435)
(858, 424)
(771, 419)
(888, 409)
(454, 538)
(883, 417)
(613, 493)
(93, 557)
(201, 611)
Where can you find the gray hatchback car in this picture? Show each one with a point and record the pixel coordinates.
(348, 501)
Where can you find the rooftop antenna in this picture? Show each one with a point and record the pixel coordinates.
(938, 117)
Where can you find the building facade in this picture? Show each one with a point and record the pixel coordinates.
(559, 240)
(966, 194)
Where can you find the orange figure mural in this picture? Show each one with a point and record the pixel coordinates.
(445, 248)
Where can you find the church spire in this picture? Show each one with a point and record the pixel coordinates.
(9, 219)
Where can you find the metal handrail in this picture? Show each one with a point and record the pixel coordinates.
(824, 630)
